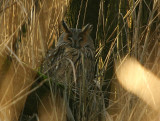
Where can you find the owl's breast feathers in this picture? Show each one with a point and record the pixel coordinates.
(68, 65)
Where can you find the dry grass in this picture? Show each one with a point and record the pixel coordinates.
(27, 31)
(29, 28)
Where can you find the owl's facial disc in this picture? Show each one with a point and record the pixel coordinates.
(77, 38)
(75, 41)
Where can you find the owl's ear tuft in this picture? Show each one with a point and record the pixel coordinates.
(87, 29)
(65, 28)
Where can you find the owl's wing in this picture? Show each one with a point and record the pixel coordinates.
(52, 56)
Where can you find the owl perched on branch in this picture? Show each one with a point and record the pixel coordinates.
(71, 64)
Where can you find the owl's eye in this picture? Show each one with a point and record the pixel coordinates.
(70, 39)
(81, 39)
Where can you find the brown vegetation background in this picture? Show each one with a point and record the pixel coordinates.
(28, 28)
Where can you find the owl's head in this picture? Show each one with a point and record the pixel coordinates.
(76, 38)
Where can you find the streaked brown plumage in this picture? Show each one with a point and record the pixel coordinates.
(72, 64)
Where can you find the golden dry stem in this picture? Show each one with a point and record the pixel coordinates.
(27, 29)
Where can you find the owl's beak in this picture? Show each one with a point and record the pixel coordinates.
(76, 45)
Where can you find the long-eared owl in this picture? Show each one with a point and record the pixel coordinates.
(72, 64)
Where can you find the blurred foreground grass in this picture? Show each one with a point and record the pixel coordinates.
(30, 27)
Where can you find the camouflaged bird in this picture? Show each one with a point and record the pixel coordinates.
(73, 58)
(72, 62)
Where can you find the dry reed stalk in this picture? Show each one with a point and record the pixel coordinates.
(137, 20)
(150, 22)
(126, 106)
(24, 23)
